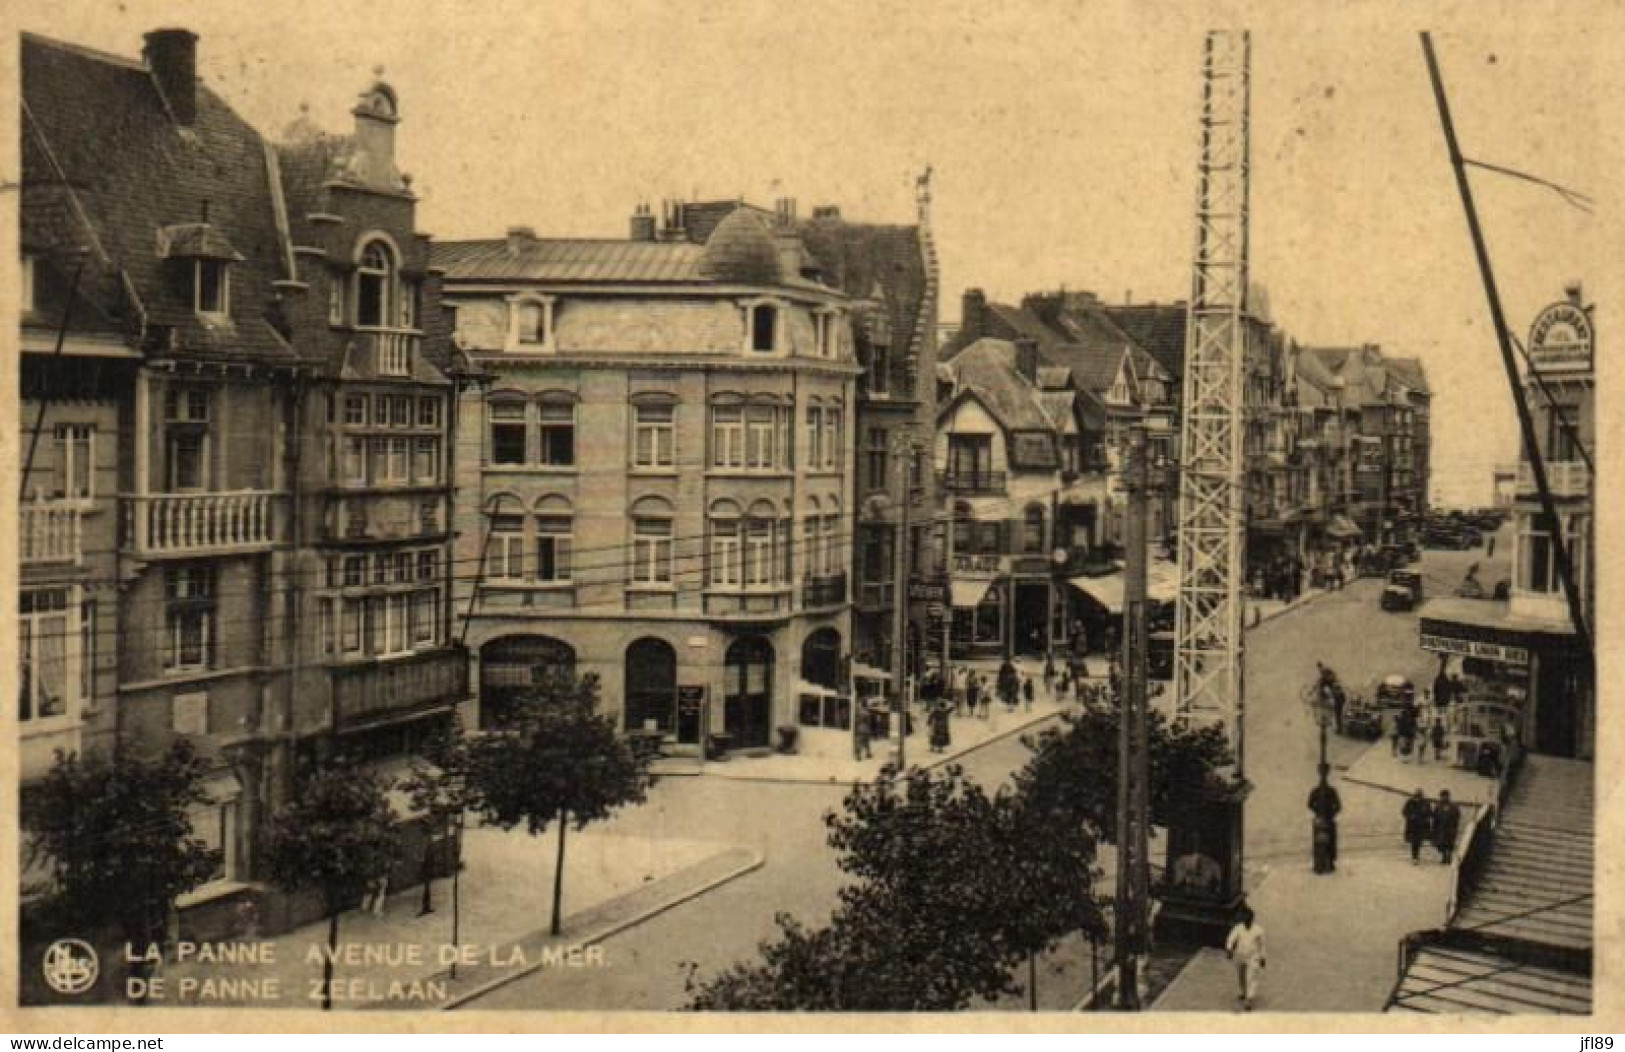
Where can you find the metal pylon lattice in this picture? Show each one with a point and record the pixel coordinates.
(1212, 537)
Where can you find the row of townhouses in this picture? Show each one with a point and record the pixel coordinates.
(298, 481)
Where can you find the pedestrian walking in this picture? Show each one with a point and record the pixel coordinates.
(1027, 691)
(1446, 824)
(1008, 684)
(1245, 947)
(973, 692)
(1418, 816)
(862, 733)
(1049, 673)
(1407, 731)
(1489, 547)
(1393, 732)
(1436, 736)
(1441, 688)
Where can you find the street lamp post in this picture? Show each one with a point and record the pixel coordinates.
(1324, 802)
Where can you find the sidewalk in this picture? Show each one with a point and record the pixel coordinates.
(1379, 768)
(968, 734)
(401, 959)
(1332, 940)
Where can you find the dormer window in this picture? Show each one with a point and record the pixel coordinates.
(764, 328)
(211, 287)
(530, 323)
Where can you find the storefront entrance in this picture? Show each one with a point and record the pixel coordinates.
(1031, 619)
(651, 691)
(747, 693)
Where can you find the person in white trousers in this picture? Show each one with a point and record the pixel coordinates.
(1245, 946)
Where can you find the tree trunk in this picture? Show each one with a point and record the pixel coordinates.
(327, 962)
(558, 875)
(1032, 982)
(427, 906)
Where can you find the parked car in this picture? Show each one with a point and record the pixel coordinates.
(1361, 719)
(1394, 691)
(1397, 598)
(1408, 579)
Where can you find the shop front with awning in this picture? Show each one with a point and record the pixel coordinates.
(980, 617)
(1342, 528)
(1523, 665)
(1107, 590)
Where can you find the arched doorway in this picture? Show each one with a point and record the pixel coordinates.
(821, 659)
(747, 692)
(513, 665)
(651, 686)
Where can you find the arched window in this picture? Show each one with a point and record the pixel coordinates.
(651, 685)
(375, 285)
(759, 545)
(509, 428)
(505, 546)
(514, 666)
(1032, 529)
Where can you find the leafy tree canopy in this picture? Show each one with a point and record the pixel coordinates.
(337, 835)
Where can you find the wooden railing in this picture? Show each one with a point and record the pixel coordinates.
(195, 523)
(50, 531)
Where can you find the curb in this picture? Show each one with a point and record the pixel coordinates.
(609, 930)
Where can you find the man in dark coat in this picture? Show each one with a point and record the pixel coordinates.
(1441, 688)
(1418, 815)
(1325, 804)
(1446, 825)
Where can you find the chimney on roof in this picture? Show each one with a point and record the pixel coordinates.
(171, 56)
(785, 207)
(973, 315)
(643, 224)
(1027, 359)
(518, 238)
(1575, 293)
(672, 221)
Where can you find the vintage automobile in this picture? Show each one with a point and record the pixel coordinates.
(1397, 598)
(1395, 690)
(1408, 579)
(1361, 719)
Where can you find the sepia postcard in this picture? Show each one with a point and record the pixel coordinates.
(1062, 515)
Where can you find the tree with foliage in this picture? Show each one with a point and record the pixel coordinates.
(118, 838)
(951, 892)
(554, 760)
(337, 837)
(439, 788)
(1072, 774)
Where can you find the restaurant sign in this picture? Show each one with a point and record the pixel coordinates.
(1506, 655)
(1561, 339)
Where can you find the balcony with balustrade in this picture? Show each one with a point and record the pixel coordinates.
(391, 351)
(377, 690)
(972, 482)
(160, 525)
(1568, 479)
(50, 532)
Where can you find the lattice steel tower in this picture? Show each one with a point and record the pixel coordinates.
(1212, 509)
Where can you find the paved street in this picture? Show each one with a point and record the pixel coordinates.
(644, 966)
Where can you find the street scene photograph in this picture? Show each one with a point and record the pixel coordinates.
(1066, 507)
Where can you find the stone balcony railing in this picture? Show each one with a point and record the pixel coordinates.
(162, 524)
(50, 532)
(1567, 478)
(391, 350)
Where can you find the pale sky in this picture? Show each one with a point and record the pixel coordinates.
(1062, 136)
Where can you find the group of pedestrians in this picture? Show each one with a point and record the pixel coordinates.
(1410, 740)
(1436, 822)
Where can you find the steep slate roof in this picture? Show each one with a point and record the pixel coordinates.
(1159, 328)
(1410, 372)
(1082, 337)
(987, 369)
(1313, 369)
(106, 166)
(860, 257)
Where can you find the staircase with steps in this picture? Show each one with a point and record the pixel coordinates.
(1522, 941)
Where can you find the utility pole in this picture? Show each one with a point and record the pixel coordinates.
(902, 447)
(1526, 422)
(1133, 863)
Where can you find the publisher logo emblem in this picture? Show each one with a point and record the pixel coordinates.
(71, 966)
